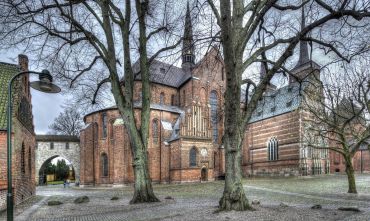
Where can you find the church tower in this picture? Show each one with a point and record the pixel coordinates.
(188, 57)
(305, 66)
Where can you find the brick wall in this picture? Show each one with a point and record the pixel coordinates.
(23, 142)
(164, 159)
(360, 162)
(286, 129)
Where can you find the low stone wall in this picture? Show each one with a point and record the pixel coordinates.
(279, 171)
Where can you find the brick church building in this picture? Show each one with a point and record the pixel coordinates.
(186, 126)
(23, 152)
(185, 129)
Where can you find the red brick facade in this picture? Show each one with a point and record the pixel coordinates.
(188, 107)
(23, 152)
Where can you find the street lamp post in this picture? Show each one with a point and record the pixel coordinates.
(45, 85)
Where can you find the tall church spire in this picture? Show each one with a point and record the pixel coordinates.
(303, 47)
(188, 43)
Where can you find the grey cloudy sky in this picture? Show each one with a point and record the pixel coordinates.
(45, 107)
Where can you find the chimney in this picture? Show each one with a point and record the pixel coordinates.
(23, 62)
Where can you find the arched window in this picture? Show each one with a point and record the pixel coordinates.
(111, 131)
(183, 97)
(23, 159)
(30, 161)
(161, 98)
(213, 101)
(273, 149)
(104, 164)
(104, 123)
(172, 100)
(155, 131)
(193, 157)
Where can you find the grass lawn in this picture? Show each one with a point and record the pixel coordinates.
(57, 182)
(317, 185)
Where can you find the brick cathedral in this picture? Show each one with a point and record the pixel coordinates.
(186, 126)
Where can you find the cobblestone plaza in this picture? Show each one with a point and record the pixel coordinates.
(279, 198)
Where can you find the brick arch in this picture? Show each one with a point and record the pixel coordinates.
(44, 154)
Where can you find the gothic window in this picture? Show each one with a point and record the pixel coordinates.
(111, 131)
(273, 149)
(104, 164)
(67, 145)
(161, 98)
(213, 100)
(51, 146)
(155, 131)
(172, 99)
(104, 123)
(183, 97)
(23, 159)
(193, 157)
(30, 161)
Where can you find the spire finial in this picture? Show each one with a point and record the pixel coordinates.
(303, 47)
(188, 44)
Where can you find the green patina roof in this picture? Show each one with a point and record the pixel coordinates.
(6, 73)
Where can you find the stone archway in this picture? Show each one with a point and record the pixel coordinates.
(204, 174)
(40, 169)
(52, 146)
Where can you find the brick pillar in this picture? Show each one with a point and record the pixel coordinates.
(23, 62)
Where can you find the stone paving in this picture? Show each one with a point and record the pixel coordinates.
(199, 202)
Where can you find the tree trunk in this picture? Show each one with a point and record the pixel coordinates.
(233, 197)
(350, 175)
(143, 190)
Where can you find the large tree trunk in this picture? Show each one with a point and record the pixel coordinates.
(350, 175)
(143, 190)
(233, 197)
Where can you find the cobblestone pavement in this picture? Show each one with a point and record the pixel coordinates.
(199, 202)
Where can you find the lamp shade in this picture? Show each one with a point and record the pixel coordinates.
(45, 83)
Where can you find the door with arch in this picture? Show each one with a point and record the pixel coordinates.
(204, 174)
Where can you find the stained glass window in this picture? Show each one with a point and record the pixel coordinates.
(273, 149)
(213, 100)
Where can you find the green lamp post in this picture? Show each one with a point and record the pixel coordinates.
(45, 85)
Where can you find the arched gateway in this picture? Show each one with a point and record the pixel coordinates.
(51, 146)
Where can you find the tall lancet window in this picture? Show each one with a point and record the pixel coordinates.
(104, 125)
(161, 98)
(104, 164)
(193, 157)
(213, 101)
(155, 131)
(273, 149)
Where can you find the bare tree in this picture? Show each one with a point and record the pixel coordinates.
(68, 122)
(339, 120)
(91, 44)
(266, 31)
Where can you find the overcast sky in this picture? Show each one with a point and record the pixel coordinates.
(45, 107)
